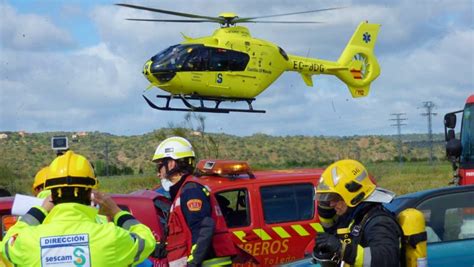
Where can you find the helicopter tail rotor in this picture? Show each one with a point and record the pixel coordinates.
(358, 59)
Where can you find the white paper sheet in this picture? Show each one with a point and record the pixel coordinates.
(23, 203)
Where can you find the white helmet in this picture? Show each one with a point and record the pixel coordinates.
(174, 147)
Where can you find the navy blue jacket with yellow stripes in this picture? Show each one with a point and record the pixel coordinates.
(373, 232)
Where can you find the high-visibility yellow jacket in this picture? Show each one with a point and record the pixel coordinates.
(70, 236)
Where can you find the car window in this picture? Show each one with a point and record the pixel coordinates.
(234, 207)
(449, 217)
(284, 203)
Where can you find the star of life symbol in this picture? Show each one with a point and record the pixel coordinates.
(366, 37)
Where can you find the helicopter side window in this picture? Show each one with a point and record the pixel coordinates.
(219, 60)
(222, 60)
(238, 60)
(197, 60)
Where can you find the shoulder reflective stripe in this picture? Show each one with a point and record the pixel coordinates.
(318, 227)
(262, 234)
(29, 219)
(300, 230)
(281, 232)
(222, 261)
(129, 223)
(361, 259)
(6, 251)
(240, 235)
(141, 246)
(367, 257)
(177, 202)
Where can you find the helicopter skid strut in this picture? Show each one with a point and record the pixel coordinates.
(202, 107)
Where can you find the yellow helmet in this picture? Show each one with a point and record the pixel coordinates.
(347, 179)
(174, 147)
(40, 177)
(70, 170)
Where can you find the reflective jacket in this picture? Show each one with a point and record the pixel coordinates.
(70, 236)
(180, 237)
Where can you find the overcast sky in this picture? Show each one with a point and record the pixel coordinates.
(76, 65)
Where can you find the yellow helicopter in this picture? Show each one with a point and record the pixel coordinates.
(232, 66)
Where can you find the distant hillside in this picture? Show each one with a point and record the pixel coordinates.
(25, 154)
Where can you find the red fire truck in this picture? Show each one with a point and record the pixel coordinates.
(461, 151)
(272, 214)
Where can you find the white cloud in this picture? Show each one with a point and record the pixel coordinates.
(31, 32)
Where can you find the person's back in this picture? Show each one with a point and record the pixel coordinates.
(69, 233)
(64, 231)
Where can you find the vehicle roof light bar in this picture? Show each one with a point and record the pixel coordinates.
(224, 168)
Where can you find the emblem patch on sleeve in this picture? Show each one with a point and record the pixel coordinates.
(194, 204)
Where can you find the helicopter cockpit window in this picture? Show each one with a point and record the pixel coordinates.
(223, 59)
(161, 54)
(173, 58)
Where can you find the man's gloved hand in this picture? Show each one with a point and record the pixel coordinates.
(160, 251)
(191, 262)
(328, 247)
(327, 215)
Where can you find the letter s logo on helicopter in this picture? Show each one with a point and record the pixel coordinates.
(219, 78)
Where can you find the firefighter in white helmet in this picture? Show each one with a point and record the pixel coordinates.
(359, 231)
(196, 234)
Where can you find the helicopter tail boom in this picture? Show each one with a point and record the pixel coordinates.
(357, 66)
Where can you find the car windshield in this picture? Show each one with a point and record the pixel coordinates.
(467, 136)
(172, 58)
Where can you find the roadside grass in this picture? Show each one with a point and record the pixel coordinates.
(127, 183)
(401, 178)
(411, 176)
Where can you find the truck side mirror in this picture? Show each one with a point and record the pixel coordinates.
(454, 148)
(450, 120)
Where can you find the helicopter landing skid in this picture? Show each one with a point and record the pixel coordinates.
(202, 107)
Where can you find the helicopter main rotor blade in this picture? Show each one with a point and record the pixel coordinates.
(187, 15)
(239, 20)
(289, 22)
(172, 20)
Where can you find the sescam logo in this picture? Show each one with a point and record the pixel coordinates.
(59, 259)
(80, 259)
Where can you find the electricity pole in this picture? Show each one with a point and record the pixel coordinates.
(429, 107)
(399, 124)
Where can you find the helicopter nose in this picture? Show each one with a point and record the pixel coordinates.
(146, 68)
